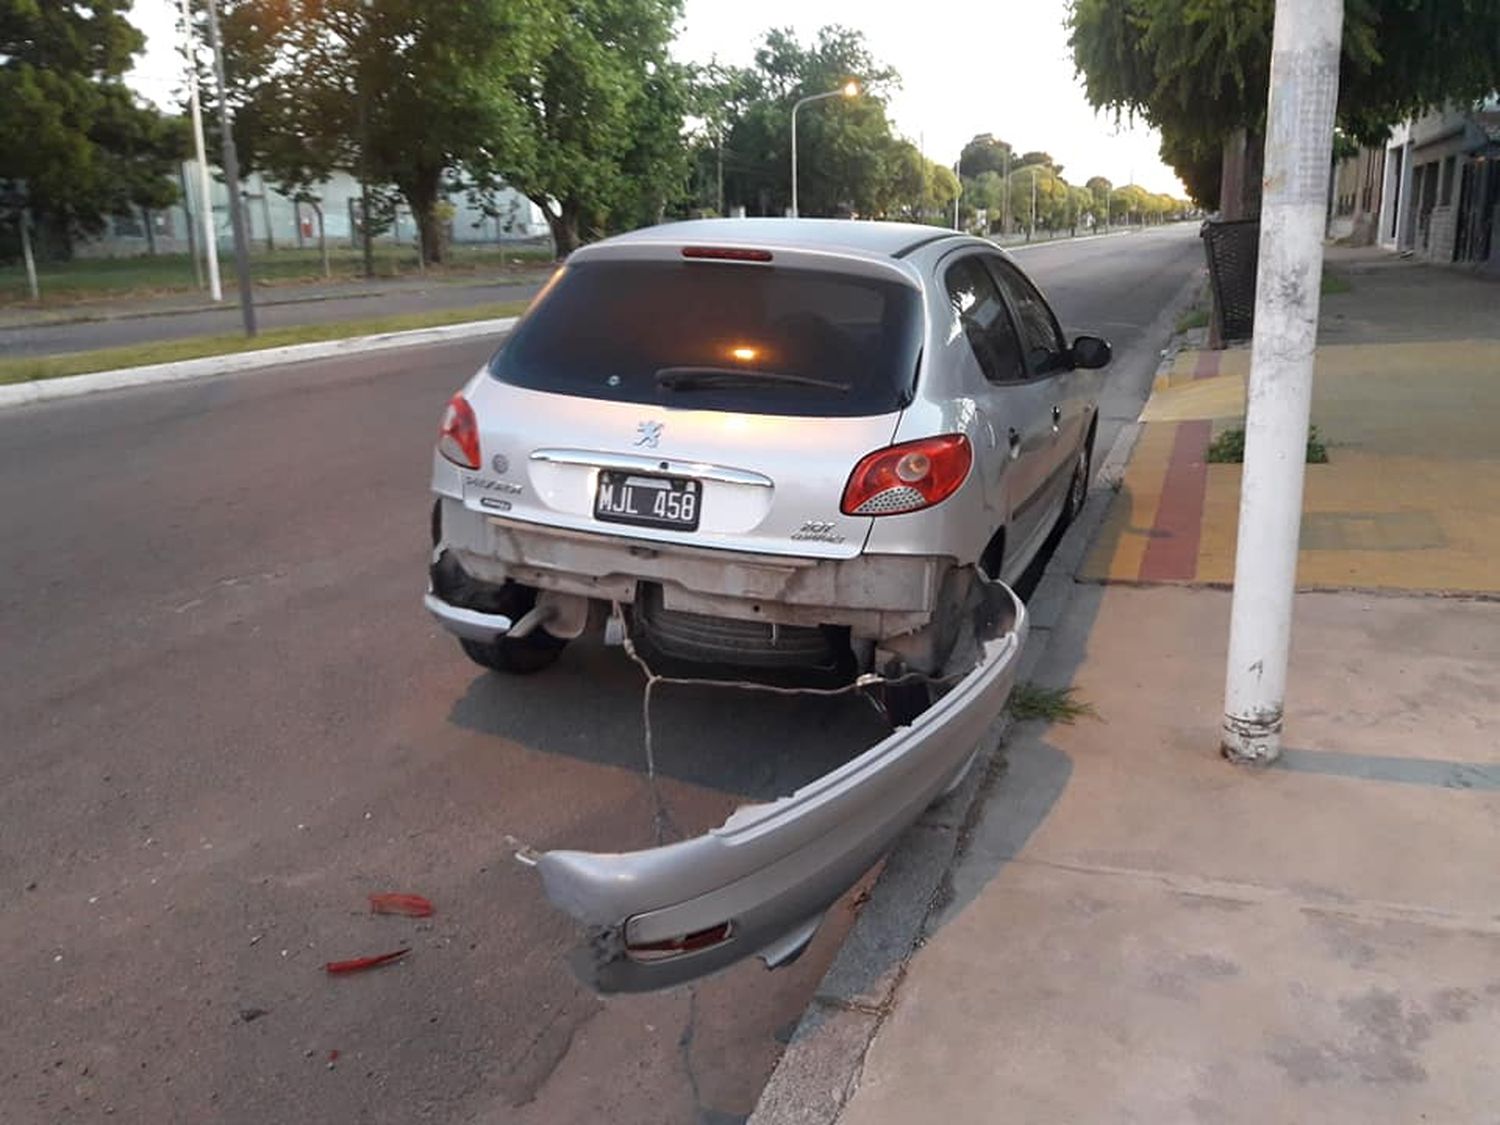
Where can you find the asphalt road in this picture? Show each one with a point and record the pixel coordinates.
(278, 307)
(226, 721)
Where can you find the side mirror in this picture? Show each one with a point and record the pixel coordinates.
(1091, 351)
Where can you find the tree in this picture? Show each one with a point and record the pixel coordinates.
(1199, 70)
(603, 106)
(985, 192)
(717, 97)
(846, 147)
(1100, 188)
(75, 144)
(1051, 197)
(395, 91)
(985, 154)
(1081, 203)
(943, 187)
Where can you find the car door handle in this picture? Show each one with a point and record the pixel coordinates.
(1015, 444)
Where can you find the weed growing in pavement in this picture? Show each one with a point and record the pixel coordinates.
(1334, 283)
(1193, 318)
(1055, 705)
(1229, 447)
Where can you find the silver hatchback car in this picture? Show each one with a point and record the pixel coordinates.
(777, 442)
(767, 444)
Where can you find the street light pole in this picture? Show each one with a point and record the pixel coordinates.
(847, 90)
(1305, 50)
(232, 179)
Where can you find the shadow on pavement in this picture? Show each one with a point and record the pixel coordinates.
(751, 744)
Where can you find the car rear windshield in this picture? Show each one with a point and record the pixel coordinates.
(760, 339)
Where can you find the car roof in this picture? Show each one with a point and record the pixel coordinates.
(875, 239)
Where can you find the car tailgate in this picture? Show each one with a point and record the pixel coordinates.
(762, 483)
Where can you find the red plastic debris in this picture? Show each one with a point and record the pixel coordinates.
(333, 1055)
(412, 906)
(356, 964)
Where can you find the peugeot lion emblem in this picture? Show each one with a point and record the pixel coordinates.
(648, 434)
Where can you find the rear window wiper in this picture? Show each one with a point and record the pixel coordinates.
(694, 378)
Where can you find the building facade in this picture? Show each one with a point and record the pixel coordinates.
(275, 221)
(1442, 188)
(1354, 197)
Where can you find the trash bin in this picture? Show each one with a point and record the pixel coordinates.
(1233, 250)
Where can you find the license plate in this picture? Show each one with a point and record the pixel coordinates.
(648, 501)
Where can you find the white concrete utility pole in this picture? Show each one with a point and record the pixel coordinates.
(1299, 138)
(206, 203)
(23, 220)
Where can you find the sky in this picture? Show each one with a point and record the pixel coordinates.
(966, 67)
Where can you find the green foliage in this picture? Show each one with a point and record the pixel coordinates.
(1228, 447)
(394, 91)
(985, 154)
(1193, 318)
(75, 145)
(1100, 188)
(849, 160)
(602, 107)
(1054, 705)
(21, 369)
(1200, 69)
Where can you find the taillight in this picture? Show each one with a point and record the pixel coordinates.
(458, 437)
(909, 477)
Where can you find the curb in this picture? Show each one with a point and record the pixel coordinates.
(71, 386)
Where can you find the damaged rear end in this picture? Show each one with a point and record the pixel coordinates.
(760, 883)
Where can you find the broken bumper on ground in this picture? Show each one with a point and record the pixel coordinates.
(761, 882)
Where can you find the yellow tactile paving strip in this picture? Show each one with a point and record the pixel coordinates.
(1410, 500)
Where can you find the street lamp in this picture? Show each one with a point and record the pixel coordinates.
(847, 90)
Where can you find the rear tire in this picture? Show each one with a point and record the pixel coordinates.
(516, 656)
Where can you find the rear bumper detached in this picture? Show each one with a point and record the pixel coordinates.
(761, 882)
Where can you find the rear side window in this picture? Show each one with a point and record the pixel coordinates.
(720, 336)
(1045, 349)
(981, 316)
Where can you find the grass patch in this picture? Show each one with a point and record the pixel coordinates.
(1193, 318)
(1334, 283)
(1055, 705)
(1228, 448)
(94, 279)
(24, 369)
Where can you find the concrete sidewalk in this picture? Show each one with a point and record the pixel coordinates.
(1138, 931)
(1141, 932)
(1407, 400)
